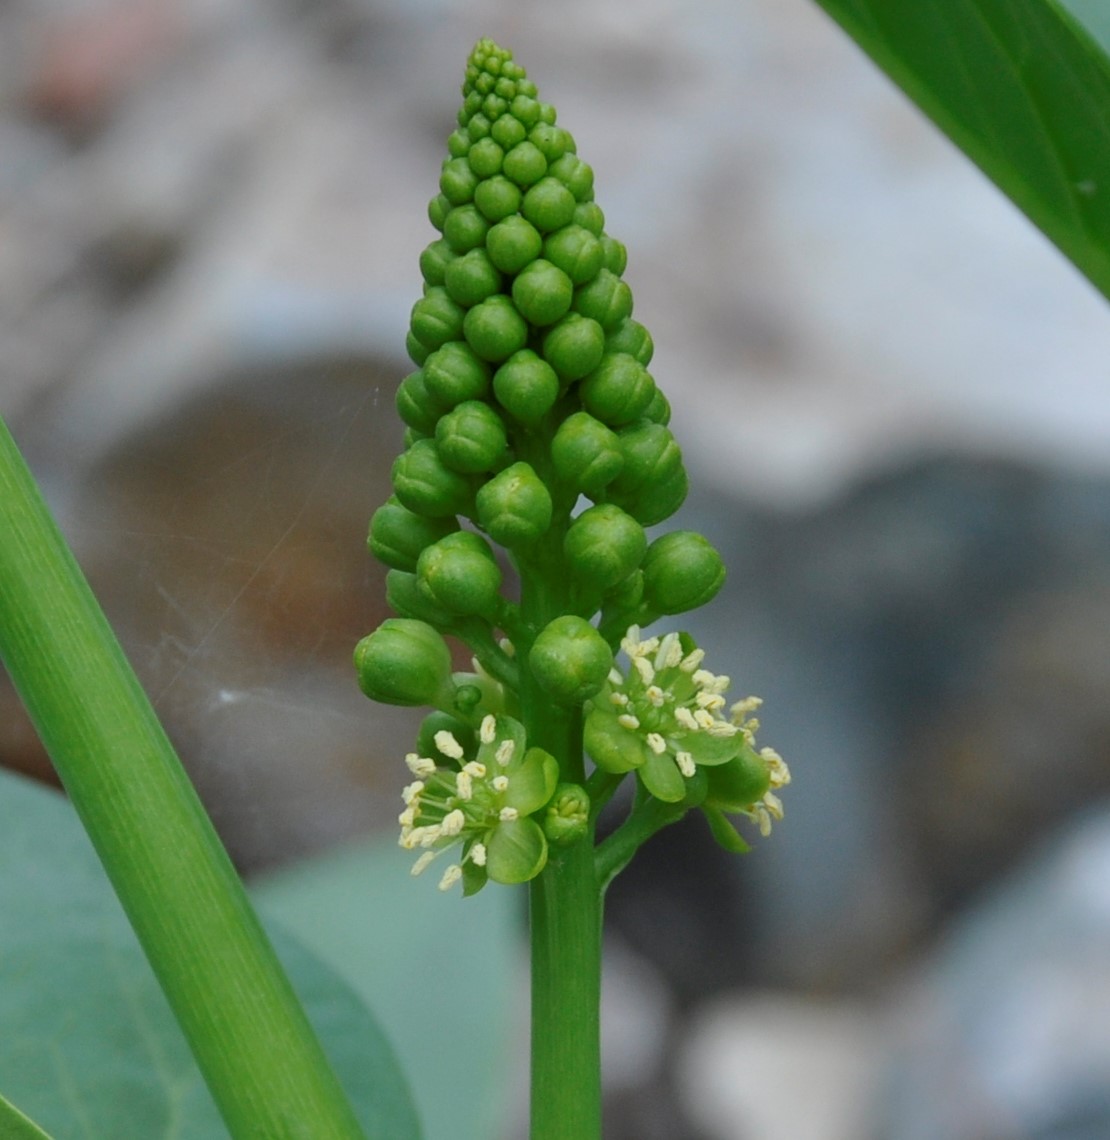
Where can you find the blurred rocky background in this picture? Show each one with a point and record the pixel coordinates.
(893, 397)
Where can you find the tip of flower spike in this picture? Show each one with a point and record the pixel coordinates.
(493, 84)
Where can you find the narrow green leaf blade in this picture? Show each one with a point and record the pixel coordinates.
(15, 1126)
(88, 1045)
(1022, 88)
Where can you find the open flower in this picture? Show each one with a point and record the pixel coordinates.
(482, 808)
(664, 718)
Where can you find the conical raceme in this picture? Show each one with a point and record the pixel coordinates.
(531, 394)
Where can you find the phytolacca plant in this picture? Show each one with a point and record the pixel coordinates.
(534, 425)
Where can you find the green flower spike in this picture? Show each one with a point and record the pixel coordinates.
(663, 720)
(483, 807)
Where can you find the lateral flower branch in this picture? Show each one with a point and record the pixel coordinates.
(534, 425)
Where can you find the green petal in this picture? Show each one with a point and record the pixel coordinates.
(612, 746)
(474, 878)
(508, 728)
(724, 833)
(533, 783)
(708, 750)
(741, 782)
(516, 851)
(662, 778)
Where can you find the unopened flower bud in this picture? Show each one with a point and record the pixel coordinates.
(570, 660)
(494, 329)
(606, 299)
(573, 347)
(682, 571)
(404, 662)
(453, 374)
(471, 278)
(586, 454)
(471, 438)
(576, 251)
(548, 205)
(618, 391)
(515, 507)
(526, 387)
(603, 546)
(542, 293)
(630, 336)
(568, 815)
(397, 535)
(651, 458)
(513, 243)
(436, 319)
(424, 484)
(460, 574)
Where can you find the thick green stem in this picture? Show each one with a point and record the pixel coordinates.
(565, 905)
(255, 1048)
(566, 997)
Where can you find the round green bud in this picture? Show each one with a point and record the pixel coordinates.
(415, 404)
(586, 454)
(576, 175)
(494, 106)
(547, 113)
(440, 721)
(570, 660)
(460, 574)
(568, 815)
(548, 205)
(548, 140)
(427, 486)
(574, 346)
(472, 104)
(418, 352)
(471, 278)
(478, 127)
(651, 458)
(494, 329)
(603, 546)
(438, 209)
(410, 436)
(508, 131)
(542, 293)
(457, 181)
(524, 164)
(525, 109)
(513, 243)
(589, 216)
(434, 261)
(404, 597)
(453, 374)
(606, 299)
(576, 251)
(616, 256)
(485, 158)
(526, 387)
(656, 501)
(659, 410)
(514, 507)
(471, 438)
(526, 87)
(682, 571)
(404, 662)
(465, 228)
(458, 143)
(506, 89)
(618, 391)
(497, 198)
(436, 319)
(630, 336)
(397, 536)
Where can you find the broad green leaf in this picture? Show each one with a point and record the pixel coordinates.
(15, 1126)
(88, 1046)
(1023, 88)
(442, 973)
